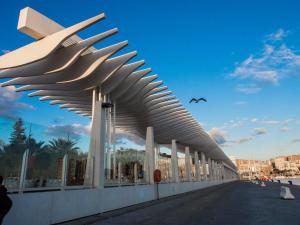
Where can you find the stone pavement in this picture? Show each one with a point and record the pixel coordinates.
(237, 203)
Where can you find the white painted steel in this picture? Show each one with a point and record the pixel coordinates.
(70, 81)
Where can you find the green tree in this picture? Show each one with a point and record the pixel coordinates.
(18, 136)
(34, 146)
(2, 144)
(12, 153)
(63, 146)
(2, 162)
(39, 158)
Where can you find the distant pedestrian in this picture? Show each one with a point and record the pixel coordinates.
(5, 201)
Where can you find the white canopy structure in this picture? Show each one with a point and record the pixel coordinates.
(68, 71)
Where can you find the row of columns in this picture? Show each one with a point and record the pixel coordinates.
(206, 169)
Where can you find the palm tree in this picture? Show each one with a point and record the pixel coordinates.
(63, 146)
(34, 146)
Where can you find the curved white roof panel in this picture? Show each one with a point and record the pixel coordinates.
(65, 69)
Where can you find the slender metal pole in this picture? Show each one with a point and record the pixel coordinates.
(119, 173)
(114, 141)
(135, 173)
(174, 164)
(108, 113)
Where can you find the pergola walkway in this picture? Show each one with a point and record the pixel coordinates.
(229, 204)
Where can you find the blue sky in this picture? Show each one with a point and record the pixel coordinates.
(243, 56)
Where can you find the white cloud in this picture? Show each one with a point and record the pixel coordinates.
(248, 88)
(284, 129)
(295, 140)
(254, 120)
(73, 131)
(9, 105)
(288, 121)
(9, 93)
(257, 69)
(260, 131)
(221, 138)
(239, 122)
(275, 62)
(243, 140)
(22, 105)
(218, 135)
(233, 123)
(273, 122)
(278, 35)
(122, 136)
(87, 129)
(283, 123)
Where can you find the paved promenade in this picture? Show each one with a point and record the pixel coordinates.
(238, 203)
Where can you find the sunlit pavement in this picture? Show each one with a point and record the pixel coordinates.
(240, 203)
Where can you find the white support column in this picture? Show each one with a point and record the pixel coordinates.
(217, 170)
(97, 141)
(223, 171)
(216, 166)
(197, 167)
(203, 164)
(188, 164)
(150, 155)
(174, 164)
(23, 170)
(109, 142)
(213, 169)
(100, 159)
(220, 171)
(227, 174)
(64, 172)
(209, 168)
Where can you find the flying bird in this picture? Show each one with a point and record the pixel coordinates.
(198, 100)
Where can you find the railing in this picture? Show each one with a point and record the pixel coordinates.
(67, 179)
(63, 181)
